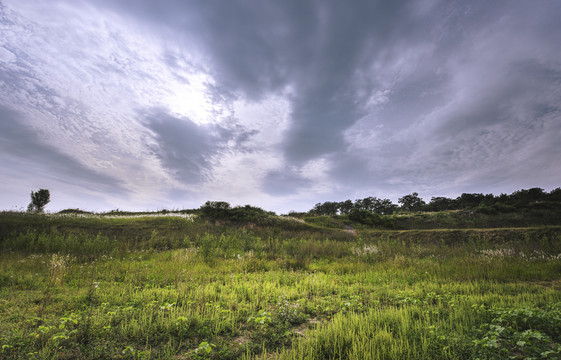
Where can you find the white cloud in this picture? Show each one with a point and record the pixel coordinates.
(92, 71)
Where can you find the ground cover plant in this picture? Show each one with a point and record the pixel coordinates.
(161, 287)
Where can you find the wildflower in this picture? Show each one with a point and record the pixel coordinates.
(497, 253)
(366, 249)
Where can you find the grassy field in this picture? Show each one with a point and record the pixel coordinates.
(173, 287)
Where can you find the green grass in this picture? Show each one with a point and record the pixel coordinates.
(465, 219)
(532, 216)
(161, 288)
(324, 221)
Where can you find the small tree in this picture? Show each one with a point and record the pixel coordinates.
(326, 208)
(345, 207)
(411, 202)
(215, 209)
(39, 200)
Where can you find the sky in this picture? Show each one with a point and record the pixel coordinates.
(150, 105)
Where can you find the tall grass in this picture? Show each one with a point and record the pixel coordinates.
(68, 292)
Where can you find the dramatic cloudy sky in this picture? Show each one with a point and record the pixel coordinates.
(280, 104)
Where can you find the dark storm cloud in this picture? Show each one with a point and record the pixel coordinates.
(333, 56)
(251, 45)
(315, 48)
(24, 148)
(188, 149)
(485, 115)
(185, 148)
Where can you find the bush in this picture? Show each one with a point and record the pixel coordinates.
(495, 209)
(214, 210)
(368, 218)
(248, 213)
(74, 212)
(221, 210)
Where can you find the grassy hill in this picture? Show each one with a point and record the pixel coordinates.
(247, 284)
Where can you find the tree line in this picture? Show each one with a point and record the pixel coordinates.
(485, 203)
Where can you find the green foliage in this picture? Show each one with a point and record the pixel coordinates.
(262, 318)
(205, 347)
(345, 207)
(220, 210)
(249, 214)
(39, 200)
(440, 203)
(367, 218)
(372, 204)
(485, 217)
(215, 210)
(411, 202)
(325, 221)
(495, 209)
(327, 208)
(43, 242)
(534, 198)
(161, 288)
(74, 212)
(520, 333)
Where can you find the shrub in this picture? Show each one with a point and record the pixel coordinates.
(368, 218)
(221, 210)
(214, 210)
